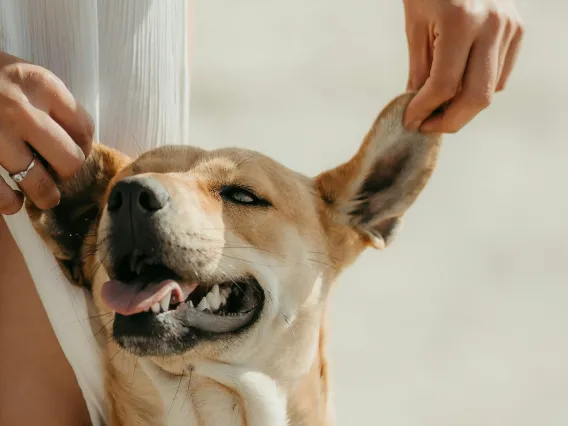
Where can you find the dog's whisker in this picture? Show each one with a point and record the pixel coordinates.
(116, 353)
(101, 329)
(175, 395)
(133, 374)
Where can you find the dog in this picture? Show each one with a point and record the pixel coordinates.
(210, 270)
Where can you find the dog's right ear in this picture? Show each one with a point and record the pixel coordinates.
(69, 228)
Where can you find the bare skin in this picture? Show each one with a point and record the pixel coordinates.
(461, 52)
(34, 390)
(37, 111)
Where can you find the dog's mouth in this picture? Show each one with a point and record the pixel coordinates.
(147, 293)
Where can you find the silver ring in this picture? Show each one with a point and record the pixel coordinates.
(20, 176)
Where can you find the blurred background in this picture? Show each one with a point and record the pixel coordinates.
(464, 320)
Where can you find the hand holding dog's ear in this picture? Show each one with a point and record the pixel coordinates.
(373, 190)
(37, 112)
(461, 53)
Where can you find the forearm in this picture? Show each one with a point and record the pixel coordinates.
(37, 384)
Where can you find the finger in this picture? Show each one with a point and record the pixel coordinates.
(420, 60)
(479, 84)
(449, 61)
(49, 93)
(51, 141)
(10, 201)
(507, 37)
(511, 58)
(37, 185)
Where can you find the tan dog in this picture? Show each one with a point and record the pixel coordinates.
(210, 270)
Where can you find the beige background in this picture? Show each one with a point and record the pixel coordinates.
(464, 320)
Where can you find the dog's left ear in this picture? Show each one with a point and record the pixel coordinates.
(373, 190)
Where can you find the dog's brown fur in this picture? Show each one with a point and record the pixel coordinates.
(333, 217)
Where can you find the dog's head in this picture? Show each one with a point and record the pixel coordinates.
(220, 251)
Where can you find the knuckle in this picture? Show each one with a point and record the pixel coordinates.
(509, 27)
(494, 20)
(461, 15)
(17, 73)
(37, 77)
(15, 107)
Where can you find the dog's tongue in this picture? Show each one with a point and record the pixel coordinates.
(130, 299)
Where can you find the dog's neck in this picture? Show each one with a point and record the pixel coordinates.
(284, 386)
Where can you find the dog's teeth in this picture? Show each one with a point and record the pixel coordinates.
(138, 268)
(203, 304)
(215, 290)
(213, 300)
(156, 308)
(223, 301)
(225, 292)
(191, 304)
(165, 302)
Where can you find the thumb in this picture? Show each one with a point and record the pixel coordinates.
(419, 56)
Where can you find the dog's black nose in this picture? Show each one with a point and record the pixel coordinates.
(137, 195)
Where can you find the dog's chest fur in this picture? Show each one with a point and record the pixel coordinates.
(195, 401)
(154, 398)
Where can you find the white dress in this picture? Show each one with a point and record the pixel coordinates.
(127, 62)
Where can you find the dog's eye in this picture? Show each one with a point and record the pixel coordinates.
(239, 195)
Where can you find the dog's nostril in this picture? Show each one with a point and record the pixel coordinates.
(152, 201)
(114, 201)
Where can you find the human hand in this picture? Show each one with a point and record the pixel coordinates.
(461, 53)
(37, 109)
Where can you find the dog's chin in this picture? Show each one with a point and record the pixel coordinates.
(157, 313)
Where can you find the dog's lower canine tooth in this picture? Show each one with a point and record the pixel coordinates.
(165, 302)
(156, 308)
(203, 304)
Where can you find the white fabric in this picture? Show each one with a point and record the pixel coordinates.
(127, 62)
